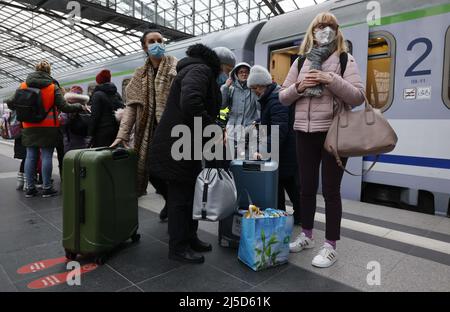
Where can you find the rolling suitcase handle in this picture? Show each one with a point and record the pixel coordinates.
(117, 153)
(251, 166)
(254, 165)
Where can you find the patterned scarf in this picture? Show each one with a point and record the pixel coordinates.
(152, 92)
(317, 56)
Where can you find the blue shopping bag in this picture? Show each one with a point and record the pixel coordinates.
(265, 241)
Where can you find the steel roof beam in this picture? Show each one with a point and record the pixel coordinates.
(270, 6)
(38, 44)
(54, 15)
(88, 34)
(101, 14)
(16, 59)
(9, 75)
(277, 6)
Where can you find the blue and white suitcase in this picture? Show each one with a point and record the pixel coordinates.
(257, 184)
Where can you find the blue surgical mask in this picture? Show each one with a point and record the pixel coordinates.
(221, 79)
(156, 50)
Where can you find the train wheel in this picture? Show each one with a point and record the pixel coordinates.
(426, 202)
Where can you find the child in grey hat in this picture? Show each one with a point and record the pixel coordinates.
(273, 113)
(227, 63)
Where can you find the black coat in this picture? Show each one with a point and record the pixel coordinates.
(274, 113)
(104, 126)
(194, 93)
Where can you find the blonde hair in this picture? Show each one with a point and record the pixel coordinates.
(44, 66)
(326, 18)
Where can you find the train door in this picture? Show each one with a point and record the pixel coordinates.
(357, 37)
(281, 59)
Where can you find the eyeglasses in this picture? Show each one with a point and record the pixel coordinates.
(325, 25)
(243, 72)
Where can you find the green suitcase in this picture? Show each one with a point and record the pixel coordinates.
(100, 203)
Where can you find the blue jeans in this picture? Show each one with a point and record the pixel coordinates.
(47, 166)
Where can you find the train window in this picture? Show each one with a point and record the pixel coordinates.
(446, 87)
(380, 70)
(91, 88)
(125, 83)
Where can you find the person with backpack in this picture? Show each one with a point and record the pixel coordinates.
(273, 113)
(328, 81)
(243, 105)
(105, 101)
(37, 103)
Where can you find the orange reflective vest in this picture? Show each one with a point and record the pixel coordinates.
(48, 100)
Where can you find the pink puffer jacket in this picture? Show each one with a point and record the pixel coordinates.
(316, 114)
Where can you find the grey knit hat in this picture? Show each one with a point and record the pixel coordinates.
(259, 76)
(225, 55)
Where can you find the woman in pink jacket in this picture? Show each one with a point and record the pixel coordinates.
(318, 91)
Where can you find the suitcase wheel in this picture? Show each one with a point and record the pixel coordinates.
(71, 255)
(135, 237)
(101, 259)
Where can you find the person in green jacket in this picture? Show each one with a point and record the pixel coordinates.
(43, 136)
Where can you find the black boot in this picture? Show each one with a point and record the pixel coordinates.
(199, 246)
(188, 256)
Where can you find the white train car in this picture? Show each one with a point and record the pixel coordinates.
(405, 59)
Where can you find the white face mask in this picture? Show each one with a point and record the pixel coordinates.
(325, 36)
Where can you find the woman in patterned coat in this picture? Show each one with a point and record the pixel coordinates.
(146, 96)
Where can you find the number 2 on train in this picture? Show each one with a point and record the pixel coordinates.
(411, 70)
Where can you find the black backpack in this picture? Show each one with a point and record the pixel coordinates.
(343, 59)
(29, 106)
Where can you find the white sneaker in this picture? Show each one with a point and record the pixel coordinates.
(300, 243)
(327, 257)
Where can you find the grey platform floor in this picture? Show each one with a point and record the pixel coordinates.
(413, 251)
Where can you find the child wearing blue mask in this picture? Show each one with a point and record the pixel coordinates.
(273, 113)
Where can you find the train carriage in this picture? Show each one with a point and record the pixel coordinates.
(404, 58)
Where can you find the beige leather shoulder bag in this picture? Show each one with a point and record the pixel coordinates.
(360, 133)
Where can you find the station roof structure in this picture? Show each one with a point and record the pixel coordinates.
(31, 30)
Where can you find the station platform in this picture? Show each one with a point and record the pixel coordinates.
(412, 250)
